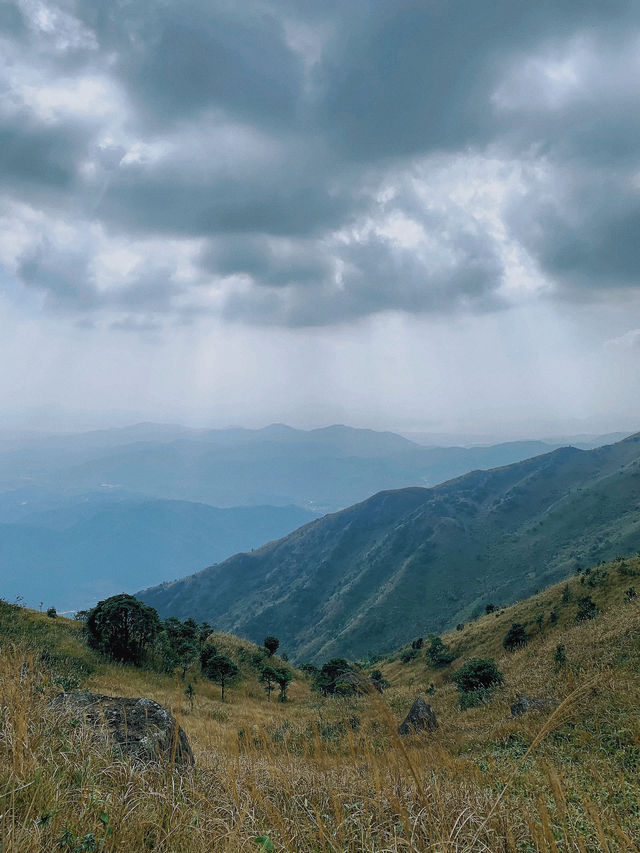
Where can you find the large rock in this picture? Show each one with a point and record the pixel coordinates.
(421, 718)
(140, 728)
(532, 703)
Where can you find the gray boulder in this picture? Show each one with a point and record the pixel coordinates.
(421, 718)
(532, 703)
(140, 728)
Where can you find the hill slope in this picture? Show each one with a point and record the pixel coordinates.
(416, 560)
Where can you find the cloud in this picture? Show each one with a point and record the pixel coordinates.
(305, 162)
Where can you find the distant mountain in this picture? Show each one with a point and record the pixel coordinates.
(416, 560)
(322, 469)
(70, 551)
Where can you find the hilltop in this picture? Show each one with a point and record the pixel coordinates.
(329, 773)
(416, 560)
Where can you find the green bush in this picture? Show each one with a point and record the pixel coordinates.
(408, 655)
(515, 638)
(587, 609)
(477, 674)
(439, 654)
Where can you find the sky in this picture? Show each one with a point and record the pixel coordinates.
(421, 215)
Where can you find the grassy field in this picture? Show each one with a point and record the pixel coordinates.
(331, 774)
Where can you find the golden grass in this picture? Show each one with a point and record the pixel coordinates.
(320, 774)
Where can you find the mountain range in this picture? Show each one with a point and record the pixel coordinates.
(415, 560)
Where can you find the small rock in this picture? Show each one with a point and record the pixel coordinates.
(420, 718)
(532, 703)
(140, 728)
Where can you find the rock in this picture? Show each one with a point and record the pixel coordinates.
(420, 718)
(140, 728)
(532, 703)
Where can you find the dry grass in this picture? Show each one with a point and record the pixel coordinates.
(331, 774)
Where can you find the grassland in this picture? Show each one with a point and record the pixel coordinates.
(330, 774)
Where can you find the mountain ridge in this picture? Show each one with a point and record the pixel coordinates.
(413, 560)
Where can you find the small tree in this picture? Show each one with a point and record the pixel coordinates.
(476, 680)
(268, 677)
(515, 637)
(566, 594)
(52, 612)
(417, 643)
(378, 680)
(221, 669)
(122, 627)
(283, 678)
(560, 656)
(331, 675)
(490, 608)
(439, 654)
(271, 644)
(189, 692)
(587, 609)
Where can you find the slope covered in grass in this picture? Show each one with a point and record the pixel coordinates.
(330, 774)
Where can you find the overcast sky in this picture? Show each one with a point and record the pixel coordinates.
(417, 215)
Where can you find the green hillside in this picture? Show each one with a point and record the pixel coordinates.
(412, 561)
(329, 773)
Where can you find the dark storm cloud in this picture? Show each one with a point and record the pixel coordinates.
(37, 159)
(275, 131)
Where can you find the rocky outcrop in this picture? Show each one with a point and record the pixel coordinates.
(421, 718)
(140, 728)
(532, 703)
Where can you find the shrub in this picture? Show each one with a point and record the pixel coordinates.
(378, 680)
(490, 608)
(630, 594)
(560, 656)
(52, 612)
(515, 638)
(566, 594)
(476, 680)
(408, 655)
(587, 609)
(439, 654)
(597, 578)
(417, 643)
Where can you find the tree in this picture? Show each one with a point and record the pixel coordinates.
(283, 677)
(438, 654)
(476, 681)
(515, 637)
(271, 644)
(378, 680)
(52, 612)
(333, 673)
(122, 627)
(269, 678)
(186, 653)
(490, 608)
(587, 609)
(221, 669)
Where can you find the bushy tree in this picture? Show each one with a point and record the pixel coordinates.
(221, 669)
(438, 654)
(122, 627)
(283, 678)
(378, 680)
(587, 609)
(515, 637)
(271, 644)
(476, 680)
(268, 677)
(52, 612)
(333, 674)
